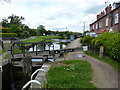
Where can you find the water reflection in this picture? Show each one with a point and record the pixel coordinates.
(56, 44)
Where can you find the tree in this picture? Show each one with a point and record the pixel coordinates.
(41, 30)
(16, 20)
(5, 22)
(33, 32)
(15, 29)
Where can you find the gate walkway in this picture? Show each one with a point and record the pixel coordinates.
(72, 47)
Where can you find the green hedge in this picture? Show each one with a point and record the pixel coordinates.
(8, 35)
(110, 41)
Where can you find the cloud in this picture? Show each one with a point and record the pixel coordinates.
(54, 14)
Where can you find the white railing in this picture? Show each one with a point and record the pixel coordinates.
(1, 70)
(34, 81)
(28, 83)
(36, 72)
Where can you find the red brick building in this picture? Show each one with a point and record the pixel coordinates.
(108, 20)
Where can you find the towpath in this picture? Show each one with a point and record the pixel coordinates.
(104, 76)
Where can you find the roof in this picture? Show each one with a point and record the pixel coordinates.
(104, 15)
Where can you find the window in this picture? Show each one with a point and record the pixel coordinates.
(106, 21)
(100, 24)
(116, 18)
(93, 27)
(96, 26)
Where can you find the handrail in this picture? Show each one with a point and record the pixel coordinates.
(36, 72)
(23, 47)
(31, 81)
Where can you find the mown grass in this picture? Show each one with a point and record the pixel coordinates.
(40, 38)
(114, 64)
(74, 74)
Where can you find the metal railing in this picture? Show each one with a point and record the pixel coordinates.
(36, 72)
(28, 83)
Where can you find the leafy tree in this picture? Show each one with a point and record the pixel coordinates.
(33, 32)
(15, 29)
(16, 20)
(5, 22)
(87, 40)
(49, 32)
(41, 30)
(6, 30)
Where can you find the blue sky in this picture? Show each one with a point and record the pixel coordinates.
(55, 14)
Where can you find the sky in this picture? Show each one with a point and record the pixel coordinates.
(58, 15)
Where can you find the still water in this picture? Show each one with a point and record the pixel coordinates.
(57, 43)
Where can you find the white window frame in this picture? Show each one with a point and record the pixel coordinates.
(96, 25)
(116, 18)
(93, 27)
(100, 24)
(107, 22)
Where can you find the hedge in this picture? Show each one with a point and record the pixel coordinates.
(8, 35)
(110, 41)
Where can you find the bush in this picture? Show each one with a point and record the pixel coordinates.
(111, 42)
(86, 40)
(8, 35)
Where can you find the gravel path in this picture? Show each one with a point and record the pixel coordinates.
(74, 44)
(104, 76)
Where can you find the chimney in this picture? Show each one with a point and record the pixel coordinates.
(102, 13)
(98, 16)
(108, 9)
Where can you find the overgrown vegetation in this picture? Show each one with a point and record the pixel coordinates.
(71, 74)
(110, 41)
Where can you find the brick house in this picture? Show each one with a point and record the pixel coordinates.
(108, 20)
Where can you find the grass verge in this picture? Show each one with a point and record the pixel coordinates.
(71, 74)
(40, 38)
(114, 64)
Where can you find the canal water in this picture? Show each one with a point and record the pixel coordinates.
(57, 43)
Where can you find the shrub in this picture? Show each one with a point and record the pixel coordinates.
(111, 42)
(8, 35)
(87, 40)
